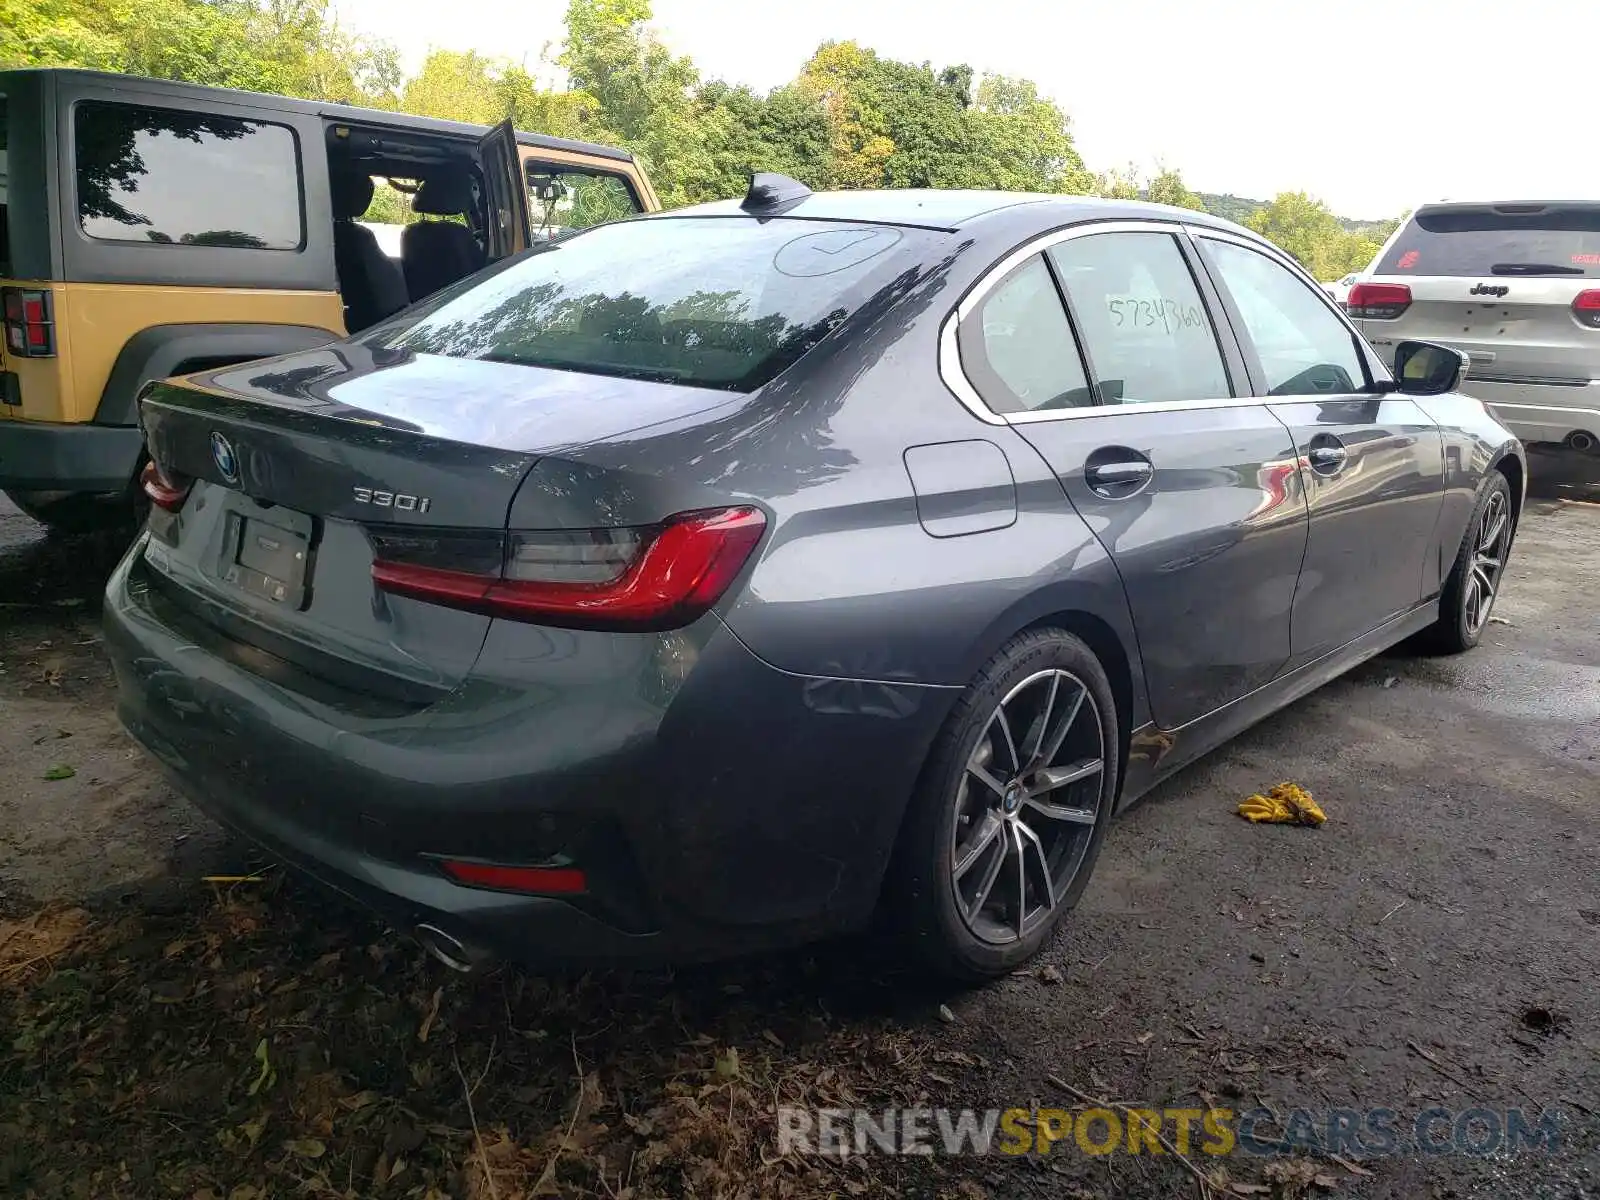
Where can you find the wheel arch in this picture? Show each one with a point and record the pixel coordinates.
(1511, 466)
(162, 351)
(1103, 642)
(1105, 627)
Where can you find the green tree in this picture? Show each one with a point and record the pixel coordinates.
(1168, 188)
(643, 93)
(1307, 229)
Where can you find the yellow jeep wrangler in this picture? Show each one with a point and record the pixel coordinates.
(150, 229)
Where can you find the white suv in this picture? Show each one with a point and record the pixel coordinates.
(1514, 286)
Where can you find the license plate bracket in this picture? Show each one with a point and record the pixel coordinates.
(266, 552)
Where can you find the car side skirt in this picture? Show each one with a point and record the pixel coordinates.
(1154, 753)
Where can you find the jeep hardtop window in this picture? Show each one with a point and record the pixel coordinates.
(720, 302)
(186, 178)
(1548, 240)
(567, 198)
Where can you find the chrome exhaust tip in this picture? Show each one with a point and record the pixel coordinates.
(450, 951)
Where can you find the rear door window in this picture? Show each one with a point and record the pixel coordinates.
(1143, 322)
(158, 175)
(1018, 350)
(1542, 240)
(707, 301)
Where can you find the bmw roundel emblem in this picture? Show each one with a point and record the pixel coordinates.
(222, 455)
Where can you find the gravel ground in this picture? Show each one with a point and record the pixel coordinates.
(1436, 943)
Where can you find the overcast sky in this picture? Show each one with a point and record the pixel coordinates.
(1372, 105)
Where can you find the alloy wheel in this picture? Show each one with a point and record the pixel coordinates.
(1490, 541)
(1027, 805)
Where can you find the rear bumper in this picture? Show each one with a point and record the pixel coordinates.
(736, 809)
(1541, 412)
(39, 456)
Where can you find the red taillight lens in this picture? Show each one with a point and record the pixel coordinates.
(546, 881)
(30, 324)
(639, 579)
(1378, 301)
(162, 491)
(1586, 307)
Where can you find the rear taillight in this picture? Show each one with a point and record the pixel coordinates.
(1377, 301)
(657, 577)
(1586, 307)
(163, 492)
(29, 322)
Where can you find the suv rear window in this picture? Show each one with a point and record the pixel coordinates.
(721, 302)
(183, 178)
(1549, 240)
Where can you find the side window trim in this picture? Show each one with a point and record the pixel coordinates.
(1085, 359)
(1247, 344)
(968, 329)
(1238, 355)
(949, 359)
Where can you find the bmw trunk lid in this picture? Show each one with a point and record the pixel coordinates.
(279, 483)
(282, 492)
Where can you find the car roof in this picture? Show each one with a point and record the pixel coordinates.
(1440, 205)
(951, 209)
(198, 94)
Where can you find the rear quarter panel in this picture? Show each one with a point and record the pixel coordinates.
(1474, 443)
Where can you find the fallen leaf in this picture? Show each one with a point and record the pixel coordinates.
(728, 1063)
(433, 1015)
(59, 771)
(945, 1015)
(306, 1148)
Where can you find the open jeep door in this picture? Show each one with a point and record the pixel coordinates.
(507, 194)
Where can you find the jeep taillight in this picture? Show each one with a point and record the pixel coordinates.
(29, 322)
(1377, 301)
(1586, 307)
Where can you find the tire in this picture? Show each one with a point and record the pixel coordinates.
(1463, 611)
(955, 814)
(70, 514)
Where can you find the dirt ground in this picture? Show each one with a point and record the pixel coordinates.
(1436, 943)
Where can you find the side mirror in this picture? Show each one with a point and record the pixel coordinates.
(1428, 369)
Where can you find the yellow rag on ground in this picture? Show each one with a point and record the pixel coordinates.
(1286, 804)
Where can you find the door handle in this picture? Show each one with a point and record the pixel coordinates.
(1328, 457)
(1327, 454)
(1118, 476)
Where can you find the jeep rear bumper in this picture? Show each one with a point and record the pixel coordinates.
(40, 456)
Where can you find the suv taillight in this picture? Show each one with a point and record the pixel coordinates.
(651, 578)
(1377, 301)
(29, 322)
(1586, 307)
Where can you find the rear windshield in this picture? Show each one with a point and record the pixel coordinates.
(1549, 241)
(706, 301)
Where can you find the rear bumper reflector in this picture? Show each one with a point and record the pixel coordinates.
(541, 881)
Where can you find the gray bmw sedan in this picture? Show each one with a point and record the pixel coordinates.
(724, 578)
